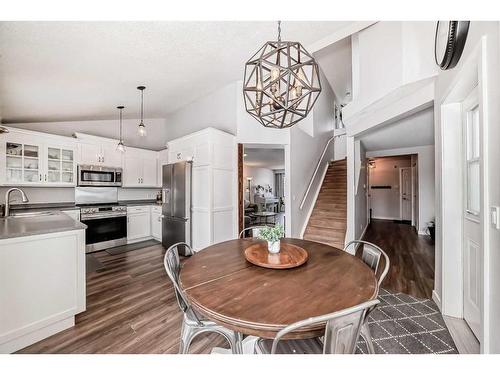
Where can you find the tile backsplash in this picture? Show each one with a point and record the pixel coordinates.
(57, 195)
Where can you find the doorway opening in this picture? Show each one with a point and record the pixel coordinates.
(393, 209)
(262, 185)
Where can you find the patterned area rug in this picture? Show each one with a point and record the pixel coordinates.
(402, 324)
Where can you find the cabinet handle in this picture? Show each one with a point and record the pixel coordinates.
(103, 159)
(40, 177)
(45, 178)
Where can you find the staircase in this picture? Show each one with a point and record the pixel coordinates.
(328, 221)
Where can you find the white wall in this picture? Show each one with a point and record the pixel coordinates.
(217, 110)
(305, 151)
(260, 176)
(426, 180)
(385, 203)
(361, 215)
(491, 172)
(388, 55)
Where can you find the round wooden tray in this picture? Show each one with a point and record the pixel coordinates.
(290, 256)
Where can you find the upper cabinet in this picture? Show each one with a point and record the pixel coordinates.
(140, 168)
(100, 153)
(28, 159)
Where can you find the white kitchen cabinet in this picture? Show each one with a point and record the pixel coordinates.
(213, 211)
(156, 222)
(60, 165)
(138, 223)
(140, 168)
(100, 153)
(32, 159)
(42, 286)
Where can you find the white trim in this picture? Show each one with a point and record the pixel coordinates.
(474, 70)
(315, 197)
(436, 299)
(384, 218)
(401, 193)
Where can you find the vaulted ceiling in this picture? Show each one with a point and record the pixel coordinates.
(64, 71)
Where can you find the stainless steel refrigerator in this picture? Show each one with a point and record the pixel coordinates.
(176, 207)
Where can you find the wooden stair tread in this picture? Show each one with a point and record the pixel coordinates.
(328, 221)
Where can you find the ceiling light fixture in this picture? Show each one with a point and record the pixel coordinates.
(142, 127)
(120, 147)
(281, 83)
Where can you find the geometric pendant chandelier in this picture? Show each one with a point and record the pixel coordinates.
(281, 83)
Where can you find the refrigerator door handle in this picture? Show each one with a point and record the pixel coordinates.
(166, 196)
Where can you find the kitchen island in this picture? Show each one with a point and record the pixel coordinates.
(42, 277)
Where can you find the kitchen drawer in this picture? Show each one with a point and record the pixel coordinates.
(138, 209)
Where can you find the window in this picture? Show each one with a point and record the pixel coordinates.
(473, 161)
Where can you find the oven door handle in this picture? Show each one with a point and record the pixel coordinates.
(94, 217)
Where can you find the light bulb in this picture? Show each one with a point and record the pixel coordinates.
(142, 130)
(120, 147)
(275, 73)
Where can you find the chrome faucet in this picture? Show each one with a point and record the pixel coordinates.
(7, 198)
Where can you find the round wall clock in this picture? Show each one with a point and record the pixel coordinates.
(450, 42)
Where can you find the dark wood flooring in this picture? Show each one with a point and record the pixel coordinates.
(411, 256)
(131, 308)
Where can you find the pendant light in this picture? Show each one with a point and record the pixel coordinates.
(120, 147)
(281, 83)
(142, 127)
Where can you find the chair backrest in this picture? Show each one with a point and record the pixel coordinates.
(341, 331)
(255, 230)
(172, 265)
(371, 255)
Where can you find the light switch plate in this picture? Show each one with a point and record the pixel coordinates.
(495, 217)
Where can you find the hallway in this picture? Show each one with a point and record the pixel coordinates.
(411, 256)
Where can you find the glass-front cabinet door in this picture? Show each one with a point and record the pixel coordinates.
(22, 162)
(60, 166)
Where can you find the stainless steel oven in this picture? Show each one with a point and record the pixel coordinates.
(106, 227)
(106, 220)
(96, 175)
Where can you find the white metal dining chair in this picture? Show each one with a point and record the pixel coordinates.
(192, 323)
(341, 334)
(254, 229)
(371, 255)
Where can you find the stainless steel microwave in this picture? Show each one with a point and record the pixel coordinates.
(96, 175)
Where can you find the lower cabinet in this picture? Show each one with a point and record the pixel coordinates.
(138, 223)
(156, 222)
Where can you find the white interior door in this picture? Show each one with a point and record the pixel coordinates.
(472, 243)
(405, 193)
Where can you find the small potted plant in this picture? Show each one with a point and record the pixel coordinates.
(272, 235)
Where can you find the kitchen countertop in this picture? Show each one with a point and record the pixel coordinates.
(12, 227)
(35, 207)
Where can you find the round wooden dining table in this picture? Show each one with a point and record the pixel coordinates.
(227, 289)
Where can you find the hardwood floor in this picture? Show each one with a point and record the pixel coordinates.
(131, 308)
(411, 256)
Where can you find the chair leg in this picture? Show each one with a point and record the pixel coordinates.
(237, 346)
(365, 333)
(187, 333)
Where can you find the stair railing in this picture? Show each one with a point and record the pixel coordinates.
(318, 164)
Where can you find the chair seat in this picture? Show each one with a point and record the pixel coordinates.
(305, 346)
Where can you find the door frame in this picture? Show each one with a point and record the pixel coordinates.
(240, 186)
(401, 192)
(449, 221)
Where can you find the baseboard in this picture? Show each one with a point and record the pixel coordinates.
(436, 299)
(384, 218)
(316, 193)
